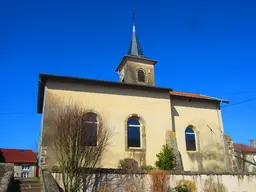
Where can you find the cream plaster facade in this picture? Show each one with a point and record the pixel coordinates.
(115, 105)
(158, 113)
(205, 118)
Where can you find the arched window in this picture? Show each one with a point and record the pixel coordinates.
(90, 131)
(141, 75)
(190, 139)
(134, 132)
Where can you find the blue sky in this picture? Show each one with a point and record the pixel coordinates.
(201, 46)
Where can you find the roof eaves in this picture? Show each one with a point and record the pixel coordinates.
(135, 57)
(40, 94)
(44, 77)
(197, 96)
(217, 99)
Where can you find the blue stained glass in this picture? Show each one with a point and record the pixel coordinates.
(133, 121)
(134, 137)
(189, 130)
(190, 139)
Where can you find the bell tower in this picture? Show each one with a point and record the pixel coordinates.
(135, 68)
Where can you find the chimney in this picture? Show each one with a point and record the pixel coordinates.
(252, 142)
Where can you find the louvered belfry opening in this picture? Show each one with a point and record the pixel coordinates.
(141, 76)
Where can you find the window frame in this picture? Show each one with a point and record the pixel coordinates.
(140, 127)
(25, 167)
(144, 73)
(195, 135)
(91, 122)
(25, 174)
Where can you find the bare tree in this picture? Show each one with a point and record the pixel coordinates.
(78, 146)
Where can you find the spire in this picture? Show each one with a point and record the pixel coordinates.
(135, 48)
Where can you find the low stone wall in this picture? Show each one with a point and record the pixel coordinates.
(48, 182)
(118, 181)
(233, 183)
(6, 176)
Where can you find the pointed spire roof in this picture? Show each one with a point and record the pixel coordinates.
(135, 48)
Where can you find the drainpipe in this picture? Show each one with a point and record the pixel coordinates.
(221, 134)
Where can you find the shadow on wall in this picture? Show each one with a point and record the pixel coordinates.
(2, 159)
(210, 158)
(174, 114)
(181, 162)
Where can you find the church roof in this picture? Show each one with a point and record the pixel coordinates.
(45, 77)
(197, 96)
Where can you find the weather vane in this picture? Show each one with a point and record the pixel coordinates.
(133, 15)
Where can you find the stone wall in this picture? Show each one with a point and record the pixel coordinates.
(6, 176)
(48, 182)
(116, 180)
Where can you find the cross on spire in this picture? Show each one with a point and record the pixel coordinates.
(135, 48)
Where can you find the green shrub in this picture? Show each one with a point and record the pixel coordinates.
(166, 158)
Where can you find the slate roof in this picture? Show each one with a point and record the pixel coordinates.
(43, 78)
(19, 156)
(244, 148)
(135, 47)
(197, 96)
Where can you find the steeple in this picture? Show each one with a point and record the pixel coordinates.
(135, 68)
(135, 48)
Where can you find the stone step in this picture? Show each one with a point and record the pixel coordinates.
(29, 184)
(29, 187)
(29, 181)
(30, 190)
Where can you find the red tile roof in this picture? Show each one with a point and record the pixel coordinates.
(198, 96)
(19, 156)
(243, 147)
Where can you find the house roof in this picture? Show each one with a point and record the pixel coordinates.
(244, 148)
(45, 77)
(197, 96)
(19, 156)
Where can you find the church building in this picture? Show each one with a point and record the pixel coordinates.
(143, 116)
